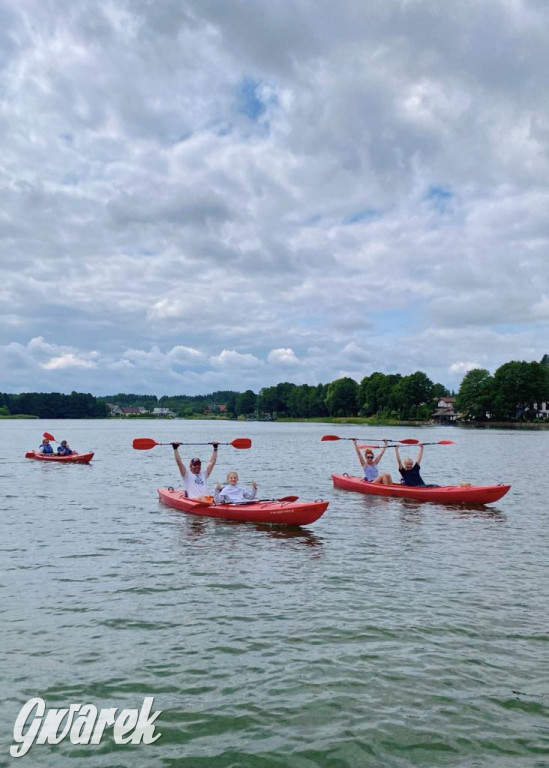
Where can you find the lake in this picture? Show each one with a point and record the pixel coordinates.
(389, 633)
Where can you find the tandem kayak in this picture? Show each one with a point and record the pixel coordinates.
(278, 512)
(449, 494)
(74, 458)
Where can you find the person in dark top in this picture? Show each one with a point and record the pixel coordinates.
(64, 450)
(409, 470)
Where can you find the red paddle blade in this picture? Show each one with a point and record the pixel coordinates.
(288, 498)
(144, 443)
(329, 437)
(49, 437)
(408, 441)
(240, 442)
(446, 442)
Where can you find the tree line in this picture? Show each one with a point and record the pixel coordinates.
(510, 394)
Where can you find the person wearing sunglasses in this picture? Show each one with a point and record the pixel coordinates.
(64, 450)
(369, 464)
(195, 481)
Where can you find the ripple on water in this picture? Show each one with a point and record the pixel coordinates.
(388, 634)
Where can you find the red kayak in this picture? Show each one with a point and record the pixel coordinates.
(74, 458)
(278, 512)
(447, 494)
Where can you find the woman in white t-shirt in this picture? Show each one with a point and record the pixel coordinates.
(195, 481)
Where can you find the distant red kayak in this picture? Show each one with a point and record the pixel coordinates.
(74, 458)
(279, 512)
(449, 494)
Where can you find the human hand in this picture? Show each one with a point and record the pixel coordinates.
(254, 485)
(175, 446)
(215, 445)
(218, 487)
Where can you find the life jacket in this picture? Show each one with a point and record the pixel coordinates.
(46, 448)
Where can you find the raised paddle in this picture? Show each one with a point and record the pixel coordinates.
(50, 437)
(146, 443)
(408, 441)
(440, 442)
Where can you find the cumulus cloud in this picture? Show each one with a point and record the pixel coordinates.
(246, 195)
(68, 360)
(282, 357)
(463, 367)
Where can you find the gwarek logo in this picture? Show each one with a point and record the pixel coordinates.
(131, 726)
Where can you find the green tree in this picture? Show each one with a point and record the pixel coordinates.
(517, 386)
(341, 397)
(413, 391)
(246, 403)
(475, 395)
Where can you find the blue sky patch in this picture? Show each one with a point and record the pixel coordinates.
(439, 197)
(248, 101)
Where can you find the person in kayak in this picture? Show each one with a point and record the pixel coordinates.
(409, 471)
(195, 481)
(45, 447)
(369, 464)
(64, 450)
(233, 493)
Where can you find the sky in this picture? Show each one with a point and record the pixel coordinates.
(227, 194)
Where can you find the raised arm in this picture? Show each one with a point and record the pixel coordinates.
(358, 453)
(380, 454)
(182, 470)
(213, 459)
(398, 457)
(420, 455)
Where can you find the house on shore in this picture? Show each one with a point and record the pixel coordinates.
(123, 410)
(445, 413)
(164, 412)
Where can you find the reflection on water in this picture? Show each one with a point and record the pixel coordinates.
(294, 534)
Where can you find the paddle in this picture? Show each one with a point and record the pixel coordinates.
(203, 503)
(50, 437)
(440, 442)
(146, 443)
(408, 441)
(258, 501)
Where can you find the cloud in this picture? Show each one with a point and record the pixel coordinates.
(68, 360)
(241, 197)
(463, 367)
(282, 357)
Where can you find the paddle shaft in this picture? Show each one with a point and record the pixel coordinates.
(407, 441)
(146, 443)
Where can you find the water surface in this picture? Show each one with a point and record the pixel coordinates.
(389, 633)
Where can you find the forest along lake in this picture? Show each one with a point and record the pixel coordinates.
(389, 633)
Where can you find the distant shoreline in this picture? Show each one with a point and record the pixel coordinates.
(364, 421)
